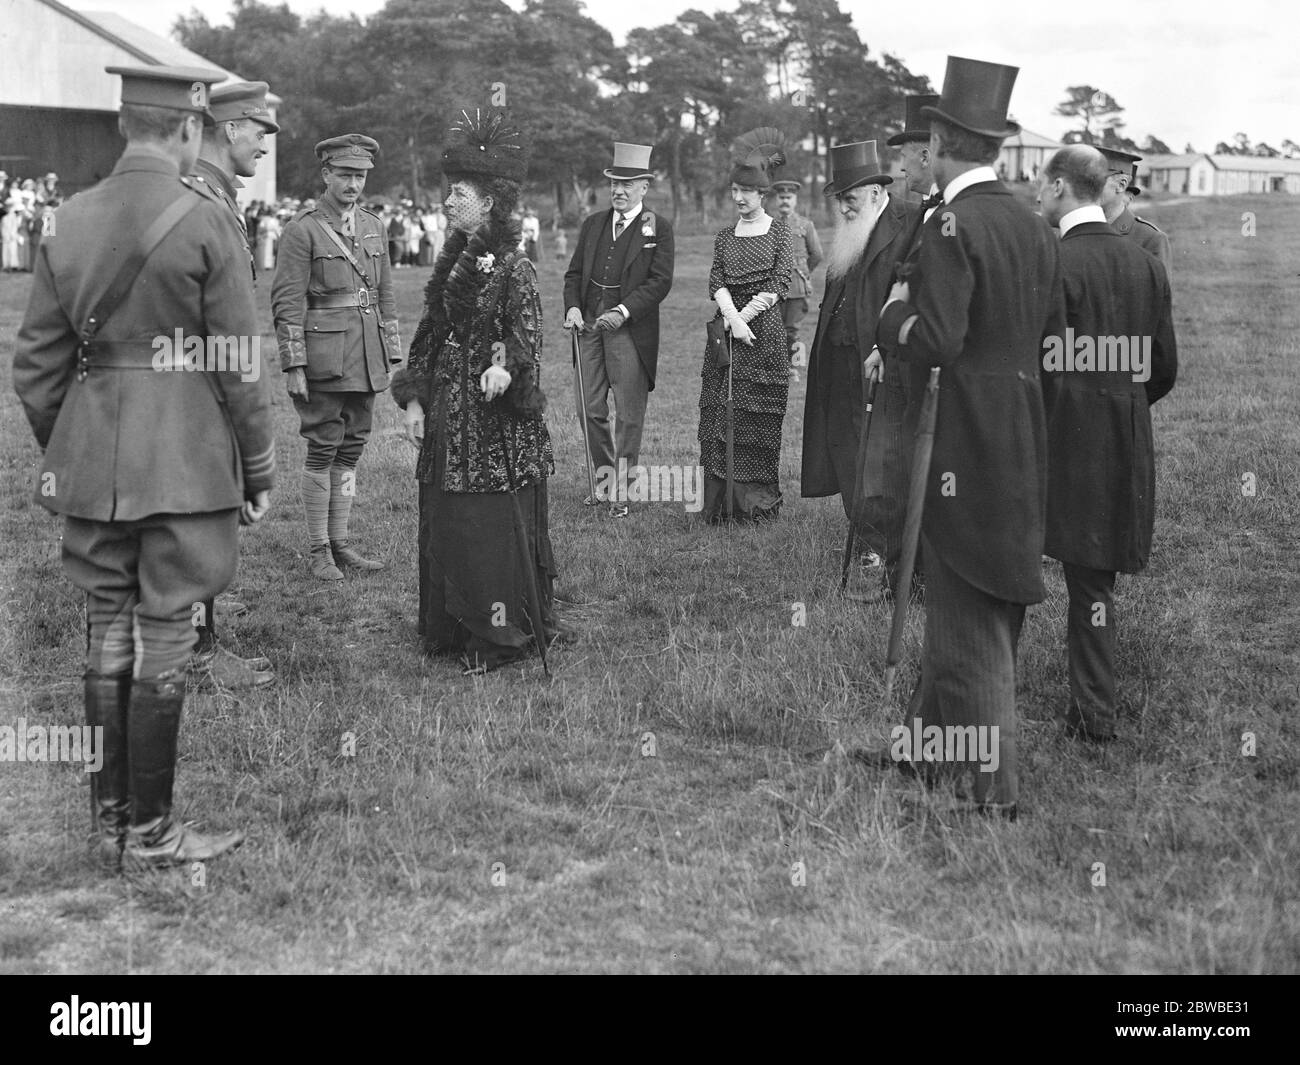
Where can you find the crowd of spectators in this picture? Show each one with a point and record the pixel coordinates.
(26, 215)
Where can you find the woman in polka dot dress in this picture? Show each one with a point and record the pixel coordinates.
(752, 265)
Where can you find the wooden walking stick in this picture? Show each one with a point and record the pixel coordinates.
(582, 415)
(858, 493)
(912, 525)
(731, 438)
(532, 585)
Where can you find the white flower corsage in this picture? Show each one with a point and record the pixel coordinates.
(486, 262)
(648, 224)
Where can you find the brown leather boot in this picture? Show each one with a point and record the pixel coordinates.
(155, 838)
(322, 564)
(110, 800)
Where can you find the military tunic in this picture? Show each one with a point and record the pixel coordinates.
(342, 329)
(1146, 235)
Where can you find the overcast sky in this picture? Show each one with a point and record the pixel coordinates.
(1189, 71)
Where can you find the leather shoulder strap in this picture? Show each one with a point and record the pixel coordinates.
(347, 253)
(135, 260)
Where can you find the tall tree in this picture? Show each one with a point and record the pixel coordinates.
(1095, 108)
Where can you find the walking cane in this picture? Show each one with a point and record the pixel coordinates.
(532, 586)
(858, 493)
(912, 526)
(582, 414)
(731, 439)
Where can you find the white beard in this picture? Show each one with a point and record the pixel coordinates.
(850, 242)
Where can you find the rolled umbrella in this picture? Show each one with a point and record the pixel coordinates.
(532, 586)
(858, 493)
(582, 415)
(731, 438)
(912, 525)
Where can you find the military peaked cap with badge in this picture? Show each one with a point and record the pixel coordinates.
(787, 185)
(242, 99)
(353, 151)
(176, 88)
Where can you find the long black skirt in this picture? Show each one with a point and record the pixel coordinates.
(474, 588)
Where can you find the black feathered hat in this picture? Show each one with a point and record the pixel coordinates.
(758, 155)
(484, 143)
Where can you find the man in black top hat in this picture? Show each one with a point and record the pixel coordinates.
(806, 247)
(869, 231)
(1122, 172)
(985, 292)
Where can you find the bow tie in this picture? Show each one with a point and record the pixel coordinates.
(932, 201)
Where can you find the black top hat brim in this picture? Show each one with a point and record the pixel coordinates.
(1012, 127)
(915, 136)
(627, 173)
(849, 181)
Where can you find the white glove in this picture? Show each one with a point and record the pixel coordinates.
(573, 319)
(494, 381)
(760, 303)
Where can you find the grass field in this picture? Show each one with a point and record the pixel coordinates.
(515, 823)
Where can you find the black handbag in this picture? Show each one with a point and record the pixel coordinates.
(719, 346)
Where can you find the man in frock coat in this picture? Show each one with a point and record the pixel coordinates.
(1101, 458)
(985, 292)
(834, 407)
(622, 268)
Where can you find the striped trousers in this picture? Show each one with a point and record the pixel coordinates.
(968, 675)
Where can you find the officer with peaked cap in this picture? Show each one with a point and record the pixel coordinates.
(1123, 171)
(336, 324)
(231, 148)
(807, 249)
(153, 455)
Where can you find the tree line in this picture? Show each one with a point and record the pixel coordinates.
(689, 87)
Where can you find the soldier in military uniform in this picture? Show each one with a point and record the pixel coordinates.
(336, 324)
(149, 522)
(1123, 171)
(231, 148)
(807, 249)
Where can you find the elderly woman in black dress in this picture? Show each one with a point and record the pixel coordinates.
(474, 406)
(752, 265)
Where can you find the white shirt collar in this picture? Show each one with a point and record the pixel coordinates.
(966, 180)
(629, 216)
(1090, 212)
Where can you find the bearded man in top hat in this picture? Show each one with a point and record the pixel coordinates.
(869, 229)
(985, 292)
(232, 146)
(1121, 176)
(807, 249)
(152, 467)
(621, 270)
(336, 323)
(1101, 477)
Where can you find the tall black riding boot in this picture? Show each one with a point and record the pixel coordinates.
(110, 796)
(156, 837)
